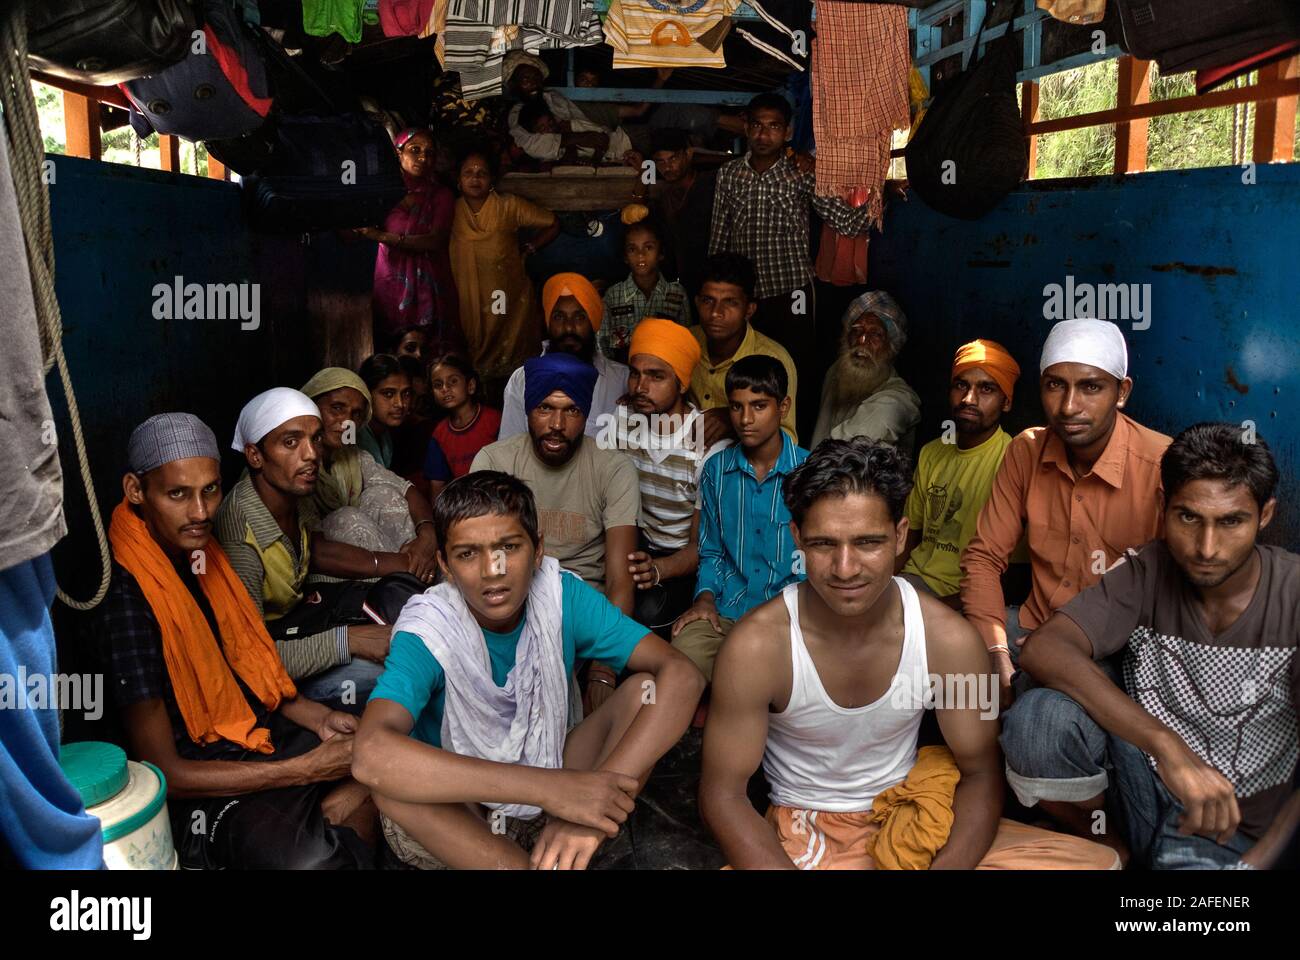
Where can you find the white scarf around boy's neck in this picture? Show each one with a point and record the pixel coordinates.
(524, 721)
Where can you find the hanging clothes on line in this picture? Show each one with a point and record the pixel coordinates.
(667, 33)
(860, 96)
(476, 35)
(783, 31)
(689, 33)
(860, 65)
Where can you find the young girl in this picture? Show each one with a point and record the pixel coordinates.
(469, 425)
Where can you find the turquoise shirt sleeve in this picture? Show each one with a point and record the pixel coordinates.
(601, 631)
(412, 676)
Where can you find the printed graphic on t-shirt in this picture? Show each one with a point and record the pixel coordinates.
(1231, 705)
(563, 526)
(943, 526)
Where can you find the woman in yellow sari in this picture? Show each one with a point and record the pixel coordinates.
(498, 306)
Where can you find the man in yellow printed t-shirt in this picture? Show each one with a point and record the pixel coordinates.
(954, 473)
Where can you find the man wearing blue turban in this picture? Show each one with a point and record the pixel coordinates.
(588, 497)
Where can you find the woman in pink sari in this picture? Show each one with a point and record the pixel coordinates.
(413, 281)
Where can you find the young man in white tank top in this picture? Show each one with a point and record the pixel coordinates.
(826, 685)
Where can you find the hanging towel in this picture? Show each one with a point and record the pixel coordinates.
(860, 66)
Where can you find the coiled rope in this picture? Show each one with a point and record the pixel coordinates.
(27, 153)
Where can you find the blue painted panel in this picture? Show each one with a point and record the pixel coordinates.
(1220, 260)
(118, 231)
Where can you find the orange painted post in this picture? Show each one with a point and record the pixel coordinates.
(81, 125)
(216, 169)
(1029, 113)
(169, 153)
(1275, 119)
(1131, 135)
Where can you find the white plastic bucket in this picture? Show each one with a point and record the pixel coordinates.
(130, 800)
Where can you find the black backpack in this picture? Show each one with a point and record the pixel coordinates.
(970, 150)
(108, 41)
(324, 173)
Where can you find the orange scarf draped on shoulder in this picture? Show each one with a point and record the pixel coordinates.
(210, 700)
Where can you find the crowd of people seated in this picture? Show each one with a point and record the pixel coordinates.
(464, 597)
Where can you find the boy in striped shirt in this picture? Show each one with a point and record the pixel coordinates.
(663, 433)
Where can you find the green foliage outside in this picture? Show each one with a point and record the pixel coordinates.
(118, 146)
(1204, 138)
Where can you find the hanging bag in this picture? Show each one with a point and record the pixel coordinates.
(220, 90)
(107, 41)
(969, 150)
(325, 173)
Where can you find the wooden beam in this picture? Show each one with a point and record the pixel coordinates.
(1029, 114)
(1131, 135)
(216, 169)
(103, 94)
(169, 153)
(81, 125)
(1161, 108)
(1275, 119)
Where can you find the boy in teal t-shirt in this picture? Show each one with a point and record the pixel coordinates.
(471, 711)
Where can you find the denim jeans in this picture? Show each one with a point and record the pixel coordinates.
(1056, 751)
(330, 686)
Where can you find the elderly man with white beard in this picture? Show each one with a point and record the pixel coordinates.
(863, 396)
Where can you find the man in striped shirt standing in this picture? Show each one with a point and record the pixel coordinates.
(747, 552)
(663, 433)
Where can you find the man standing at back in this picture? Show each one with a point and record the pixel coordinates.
(761, 210)
(1085, 488)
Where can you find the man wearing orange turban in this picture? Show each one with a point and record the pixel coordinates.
(954, 473)
(574, 312)
(663, 434)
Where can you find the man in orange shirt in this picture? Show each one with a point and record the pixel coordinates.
(1085, 489)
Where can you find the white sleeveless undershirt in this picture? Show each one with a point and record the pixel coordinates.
(821, 756)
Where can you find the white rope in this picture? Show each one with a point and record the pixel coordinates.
(23, 127)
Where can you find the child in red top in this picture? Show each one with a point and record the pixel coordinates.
(469, 425)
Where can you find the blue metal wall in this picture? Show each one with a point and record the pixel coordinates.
(1222, 258)
(118, 231)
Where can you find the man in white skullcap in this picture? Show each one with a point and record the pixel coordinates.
(270, 529)
(863, 396)
(199, 684)
(1083, 490)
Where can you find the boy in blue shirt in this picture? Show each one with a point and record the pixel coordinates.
(465, 740)
(747, 552)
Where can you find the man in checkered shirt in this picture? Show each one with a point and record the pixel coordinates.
(1192, 763)
(760, 210)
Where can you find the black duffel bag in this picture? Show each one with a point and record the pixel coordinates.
(970, 150)
(325, 173)
(108, 41)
